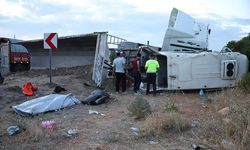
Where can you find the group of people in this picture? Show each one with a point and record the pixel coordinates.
(120, 70)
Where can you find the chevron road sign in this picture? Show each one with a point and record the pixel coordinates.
(50, 40)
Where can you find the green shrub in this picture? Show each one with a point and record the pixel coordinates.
(244, 83)
(171, 106)
(112, 137)
(139, 108)
(112, 56)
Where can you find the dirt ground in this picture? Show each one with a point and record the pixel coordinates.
(95, 132)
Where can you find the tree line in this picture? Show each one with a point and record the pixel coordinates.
(242, 46)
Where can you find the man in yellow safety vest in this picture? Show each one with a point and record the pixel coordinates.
(151, 67)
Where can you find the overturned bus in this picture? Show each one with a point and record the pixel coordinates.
(189, 63)
(185, 61)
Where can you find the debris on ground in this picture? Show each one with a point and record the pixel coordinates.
(102, 147)
(28, 89)
(194, 124)
(59, 89)
(227, 120)
(93, 86)
(47, 103)
(96, 97)
(13, 130)
(227, 144)
(152, 142)
(50, 124)
(201, 93)
(204, 105)
(224, 111)
(95, 112)
(71, 133)
(134, 130)
(200, 146)
(87, 84)
(196, 147)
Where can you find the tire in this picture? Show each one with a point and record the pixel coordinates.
(27, 67)
(19, 67)
(12, 67)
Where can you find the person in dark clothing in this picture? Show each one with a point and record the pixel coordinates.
(1, 78)
(152, 67)
(120, 72)
(136, 64)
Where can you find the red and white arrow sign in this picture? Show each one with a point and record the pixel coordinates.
(50, 40)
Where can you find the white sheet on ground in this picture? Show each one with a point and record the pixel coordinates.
(46, 103)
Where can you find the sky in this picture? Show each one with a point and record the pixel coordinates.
(133, 20)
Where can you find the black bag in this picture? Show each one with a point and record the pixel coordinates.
(59, 89)
(96, 97)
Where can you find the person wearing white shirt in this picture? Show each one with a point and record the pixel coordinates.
(119, 72)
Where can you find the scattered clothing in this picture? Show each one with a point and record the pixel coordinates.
(59, 89)
(28, 89)
(49, 124)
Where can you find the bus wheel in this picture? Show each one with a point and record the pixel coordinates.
(27, 67)
(12, 67)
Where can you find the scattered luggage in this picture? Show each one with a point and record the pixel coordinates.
(96, 97)
(59, 89)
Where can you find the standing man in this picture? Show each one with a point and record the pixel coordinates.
(136, 64)
(1, 78)
(119, 72)
(151, 67)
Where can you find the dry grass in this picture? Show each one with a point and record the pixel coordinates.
(159, 123)
(212, 128)
(32, 129)
(239, 128)
(112, 137)
(235, 126)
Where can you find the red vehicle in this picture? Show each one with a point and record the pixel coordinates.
(19, 57)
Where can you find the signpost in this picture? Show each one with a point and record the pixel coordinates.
(50, 42)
